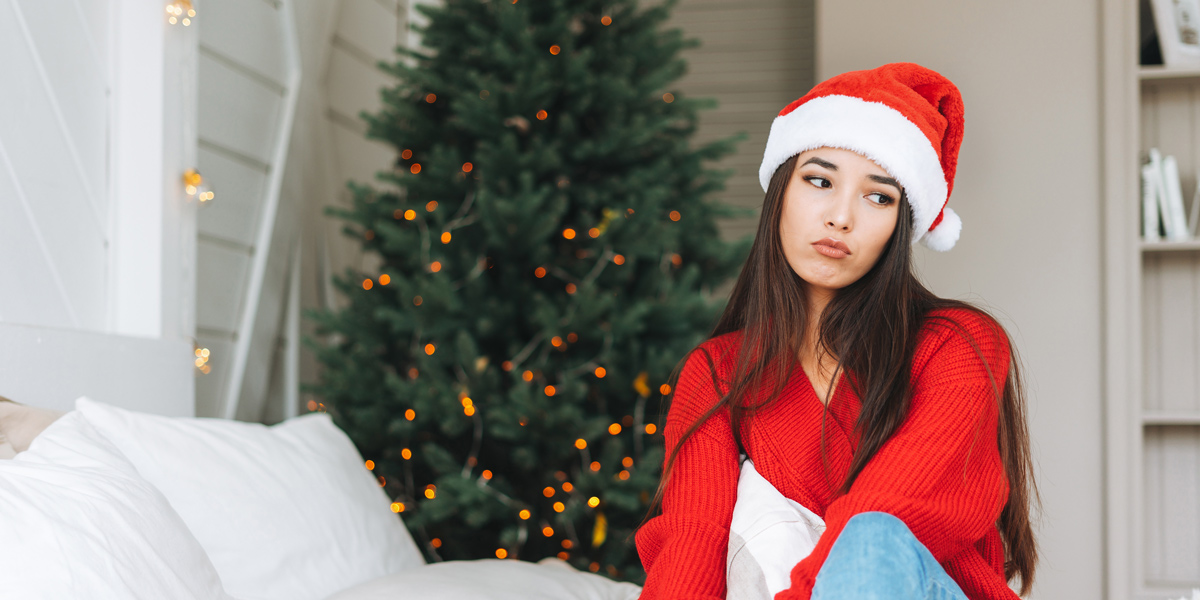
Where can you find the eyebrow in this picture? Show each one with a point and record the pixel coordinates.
(820, 162)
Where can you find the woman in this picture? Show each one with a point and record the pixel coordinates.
(894, 415)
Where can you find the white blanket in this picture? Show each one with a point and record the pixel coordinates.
(492, 579)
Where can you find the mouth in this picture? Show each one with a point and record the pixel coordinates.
(832, 248)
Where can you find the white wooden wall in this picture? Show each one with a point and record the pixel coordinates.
(55, 218)
(94, 227)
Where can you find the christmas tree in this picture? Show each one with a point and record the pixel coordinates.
(549, 250)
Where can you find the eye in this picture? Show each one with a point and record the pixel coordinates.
(820, 182)
(880, 198)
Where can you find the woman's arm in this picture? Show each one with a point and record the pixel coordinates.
(684, 548)
(941, 473)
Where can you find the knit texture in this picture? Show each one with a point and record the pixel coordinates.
(941, 473)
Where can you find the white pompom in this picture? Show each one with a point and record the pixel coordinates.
(945, 235)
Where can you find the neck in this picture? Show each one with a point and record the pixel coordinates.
(818, 299)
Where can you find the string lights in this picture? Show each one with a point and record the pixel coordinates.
(195, 187)
(181, 12)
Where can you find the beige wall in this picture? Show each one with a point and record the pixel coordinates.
(1029, 194)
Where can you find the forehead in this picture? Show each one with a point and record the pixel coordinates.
(844, 160)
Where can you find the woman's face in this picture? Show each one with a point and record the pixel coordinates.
(839, 211)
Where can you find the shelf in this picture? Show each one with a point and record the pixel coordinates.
(1170, 418)
(1161, 72)
(1189, 245)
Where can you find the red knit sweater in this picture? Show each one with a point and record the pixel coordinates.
(941, 473)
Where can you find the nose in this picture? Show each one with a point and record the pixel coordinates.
(839, 213)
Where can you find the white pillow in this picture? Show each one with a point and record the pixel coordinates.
(768, 535)
(77, 521)
(492, 579)
(287, 512)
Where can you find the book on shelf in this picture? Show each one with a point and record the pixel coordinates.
(1162, 200)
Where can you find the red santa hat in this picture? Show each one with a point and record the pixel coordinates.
(904, 117)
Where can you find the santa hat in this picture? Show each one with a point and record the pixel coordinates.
(904, 117)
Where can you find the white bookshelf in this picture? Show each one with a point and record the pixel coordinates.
(1152, 328)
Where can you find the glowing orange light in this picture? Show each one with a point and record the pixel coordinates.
(555, 49)
(436, 542)
(676, 259)
(549, 390)
(410, 414)
(466, 401)
(606, 20)
(614, 429)
(567, 487)
(548, 531)
(581, 443)
(469, 410)
(430, 349)
(467, 167)
(594, 567)
(406, 154)
(527, 375)
(572, 337)
(619, 259)
(487, 474)
(417, 300)
(410, 214)
(541, 115)
(445, 237)
(431, 98)
(600, 372)
(559, 507)
(431, 206)
(385, 279)
(627, 462)
(571, 288)
(367, 283)
(623, 475)
(556, 341)
(415, 168)
(501, 553)
(651, 428)
(668, 97)
(406, 453)
(506, 365)
(567, 544)
(675, 215)
(593, 502)
(431, 493)
(595, 466)
(370, 464)
(548, 492)
(397, 507)
(435, 266)
(312, 405)
(594, 232)
(539, 272)
(524, 514)
(564, 555)
(569, 233)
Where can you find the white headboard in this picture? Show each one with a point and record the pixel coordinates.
(50, 368)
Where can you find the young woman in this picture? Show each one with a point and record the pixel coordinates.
(896, 416)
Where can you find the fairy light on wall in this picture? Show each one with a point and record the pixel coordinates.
(201, 362)
(181, 12)
(195, 187)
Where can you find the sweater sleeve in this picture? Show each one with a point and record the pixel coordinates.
(941, 472)
(684, 548)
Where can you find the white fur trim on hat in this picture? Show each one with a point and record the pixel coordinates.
(943, 237)
(876, 131)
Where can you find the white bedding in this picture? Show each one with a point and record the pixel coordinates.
(492, 579)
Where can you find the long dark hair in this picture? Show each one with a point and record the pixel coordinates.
(871, 328)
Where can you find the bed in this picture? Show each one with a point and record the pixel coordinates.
(99, 501)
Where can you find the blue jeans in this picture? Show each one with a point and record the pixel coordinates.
(876, 557)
